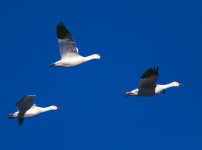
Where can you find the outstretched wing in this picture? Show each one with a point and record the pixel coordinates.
(67, 45)
(149, 78)
(25, 103)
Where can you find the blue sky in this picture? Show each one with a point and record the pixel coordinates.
(132, 36)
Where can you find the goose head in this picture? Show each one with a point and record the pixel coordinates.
(53, 107)
(176, 84)
(96, 56)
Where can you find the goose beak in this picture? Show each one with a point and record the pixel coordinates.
(180, 84)
(58, 108)
(101, 57)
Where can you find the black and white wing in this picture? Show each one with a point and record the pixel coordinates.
(26, 103)
(67, 45)
(149, 78)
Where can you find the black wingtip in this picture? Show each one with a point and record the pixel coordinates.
(20, 101)
(62, 31)
(20, 121)
(156, 70)
(151, 71)
(24, 99)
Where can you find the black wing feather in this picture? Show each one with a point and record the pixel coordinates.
(63, 32)
(25, 103)
(150, 72)
(20, 101)
(20, 121)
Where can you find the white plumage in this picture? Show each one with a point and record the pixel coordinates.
(27, 109)
(68, 50)
(148, 85)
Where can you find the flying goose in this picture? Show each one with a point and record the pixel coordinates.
(68, 50)
(27, 109)
(148, 85)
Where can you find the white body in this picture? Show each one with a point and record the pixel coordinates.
(33, 111)
(68, 50)
(27, 109)
(159, 89)
(75, 60)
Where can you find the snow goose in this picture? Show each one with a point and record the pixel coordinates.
(148, 86)
(27, 109)
(68, 50)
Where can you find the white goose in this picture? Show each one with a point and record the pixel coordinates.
(148, 86)
(27, 109)
(68, 50)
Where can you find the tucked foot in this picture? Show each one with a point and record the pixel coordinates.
(128, 94)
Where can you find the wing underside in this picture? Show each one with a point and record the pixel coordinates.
(67, 44)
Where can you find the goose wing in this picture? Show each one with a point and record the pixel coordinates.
(67, 45)
(20, 121)
(149, 78)
(26, 103)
